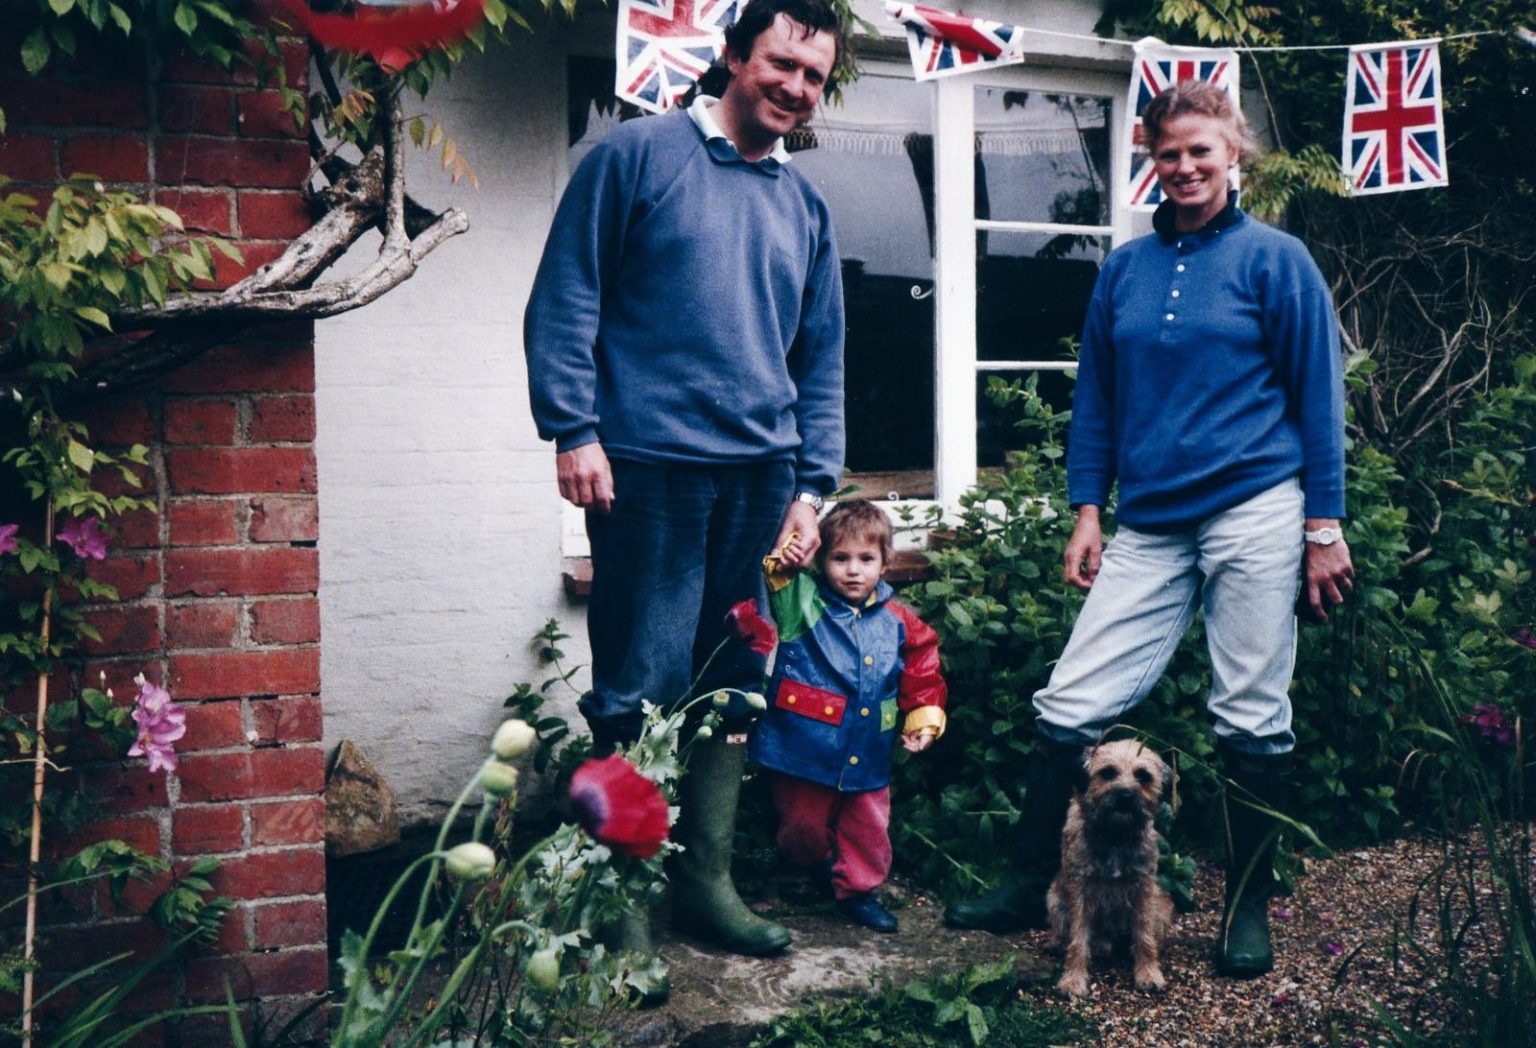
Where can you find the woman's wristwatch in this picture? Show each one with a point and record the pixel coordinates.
(1323, 536)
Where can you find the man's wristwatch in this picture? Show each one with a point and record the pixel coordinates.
(1323, 536)
(811, 499)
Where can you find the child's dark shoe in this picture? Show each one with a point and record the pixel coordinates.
(865, 909)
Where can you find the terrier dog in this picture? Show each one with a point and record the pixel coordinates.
(1106, 893)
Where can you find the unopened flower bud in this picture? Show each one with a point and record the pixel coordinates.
(498, 779)
(544, 968)
(704, 731)
(720, 699)
(470, 861)
(756, 700)
(513, 739)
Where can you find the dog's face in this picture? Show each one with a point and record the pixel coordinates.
(1124, 781)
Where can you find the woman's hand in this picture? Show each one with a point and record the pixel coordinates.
(1330, 574)
(1084, 548)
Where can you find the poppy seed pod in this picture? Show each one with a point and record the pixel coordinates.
(513, 739)
(498, 779)
(470, 861)
(544, 968)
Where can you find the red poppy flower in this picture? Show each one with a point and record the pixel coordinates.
(619, 806)
(746, 624)
(393, 37)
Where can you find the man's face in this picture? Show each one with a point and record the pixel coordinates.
(775, 89)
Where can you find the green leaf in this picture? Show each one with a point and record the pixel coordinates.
(121, 18)
(61, 7)
(185, 18)
(81, 457)
(94, 316)
(35, 51)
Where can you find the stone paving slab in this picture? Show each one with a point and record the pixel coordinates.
(720, 1000)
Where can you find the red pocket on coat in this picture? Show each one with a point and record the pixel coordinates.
(816, 703)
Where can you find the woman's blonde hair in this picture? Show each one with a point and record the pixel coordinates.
(1199, 98)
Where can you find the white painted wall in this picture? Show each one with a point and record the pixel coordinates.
(439, 517)
(440, 524)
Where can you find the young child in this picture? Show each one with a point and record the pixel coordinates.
(850, 660)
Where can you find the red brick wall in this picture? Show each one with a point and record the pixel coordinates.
(218, 585)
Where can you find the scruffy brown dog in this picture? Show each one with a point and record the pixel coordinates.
(1106, 893)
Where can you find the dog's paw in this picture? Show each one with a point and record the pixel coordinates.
(1151, 980)
(1074, 984)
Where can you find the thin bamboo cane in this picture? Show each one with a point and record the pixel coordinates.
(39, 775)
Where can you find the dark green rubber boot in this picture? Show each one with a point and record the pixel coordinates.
(630, 935)
(1243, 949)
(1018, 901)
(704, 900)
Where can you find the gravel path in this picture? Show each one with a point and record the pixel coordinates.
(1334, 951)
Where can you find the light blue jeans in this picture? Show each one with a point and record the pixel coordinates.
(1243, 567)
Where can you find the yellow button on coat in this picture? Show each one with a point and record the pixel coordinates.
(827, 711)
(853, 760)
(869, 660)
(791, 700)
(864, 712)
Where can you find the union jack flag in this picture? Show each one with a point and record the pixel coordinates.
(1394, 128)
(1159, 67)
(943, 44)
(665, 46)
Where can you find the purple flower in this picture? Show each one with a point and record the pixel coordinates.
(1282, 913)
(161, 722)
(8, 537)
(86, 537)
(1491, 721)
(1523, 636)
(1280, 1000)
(1333, 948)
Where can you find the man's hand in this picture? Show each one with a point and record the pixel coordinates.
(586, 479)
(799, 550)
(1330, 574)
(1084, 548)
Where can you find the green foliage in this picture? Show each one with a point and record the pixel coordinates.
(208, 28)
(979, 1006)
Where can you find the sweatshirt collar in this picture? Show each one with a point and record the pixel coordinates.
(1165, 221)
(721, 146)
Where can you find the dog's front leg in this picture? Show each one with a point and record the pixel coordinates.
(1074, 976)
(1152, 910)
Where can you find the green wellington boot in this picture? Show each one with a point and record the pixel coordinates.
(631, 935)
(1243, 949)
(1018, 901)
(704, 900)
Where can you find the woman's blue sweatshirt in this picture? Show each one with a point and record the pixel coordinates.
(689, 308)
(1210, 371)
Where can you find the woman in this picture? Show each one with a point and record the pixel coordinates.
(1210, 390)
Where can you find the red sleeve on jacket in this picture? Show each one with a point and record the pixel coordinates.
(921, 683)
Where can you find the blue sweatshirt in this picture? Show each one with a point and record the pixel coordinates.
(689, 308)
(1210, 371)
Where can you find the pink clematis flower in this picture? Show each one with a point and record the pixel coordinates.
(86, 537)
(1494, 725)
(746, 624)
(161, 722)
(620, 807)
(8, 537)
(1523, 637)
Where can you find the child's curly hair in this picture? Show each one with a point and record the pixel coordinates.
(856, 519)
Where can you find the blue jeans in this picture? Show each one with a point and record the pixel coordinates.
(1243, 566)
(682, 544)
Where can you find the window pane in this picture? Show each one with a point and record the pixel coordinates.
(872, 158)
(997, 432)
(1042, 157)
(1032, 291)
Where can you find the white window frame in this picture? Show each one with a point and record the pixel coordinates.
(956, 225)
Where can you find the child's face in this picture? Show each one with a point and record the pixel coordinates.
(853, 567)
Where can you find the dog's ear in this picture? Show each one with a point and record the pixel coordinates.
(1167, 793)
(1080, 780)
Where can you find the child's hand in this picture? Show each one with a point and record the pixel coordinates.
(789, 552)
(917, 741)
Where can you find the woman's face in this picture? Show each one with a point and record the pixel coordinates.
(1192, 160)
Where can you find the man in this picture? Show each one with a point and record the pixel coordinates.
(685, 353)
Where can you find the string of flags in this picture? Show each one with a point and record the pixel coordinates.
(1393, 127)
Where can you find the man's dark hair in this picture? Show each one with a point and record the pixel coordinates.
(817, 16)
